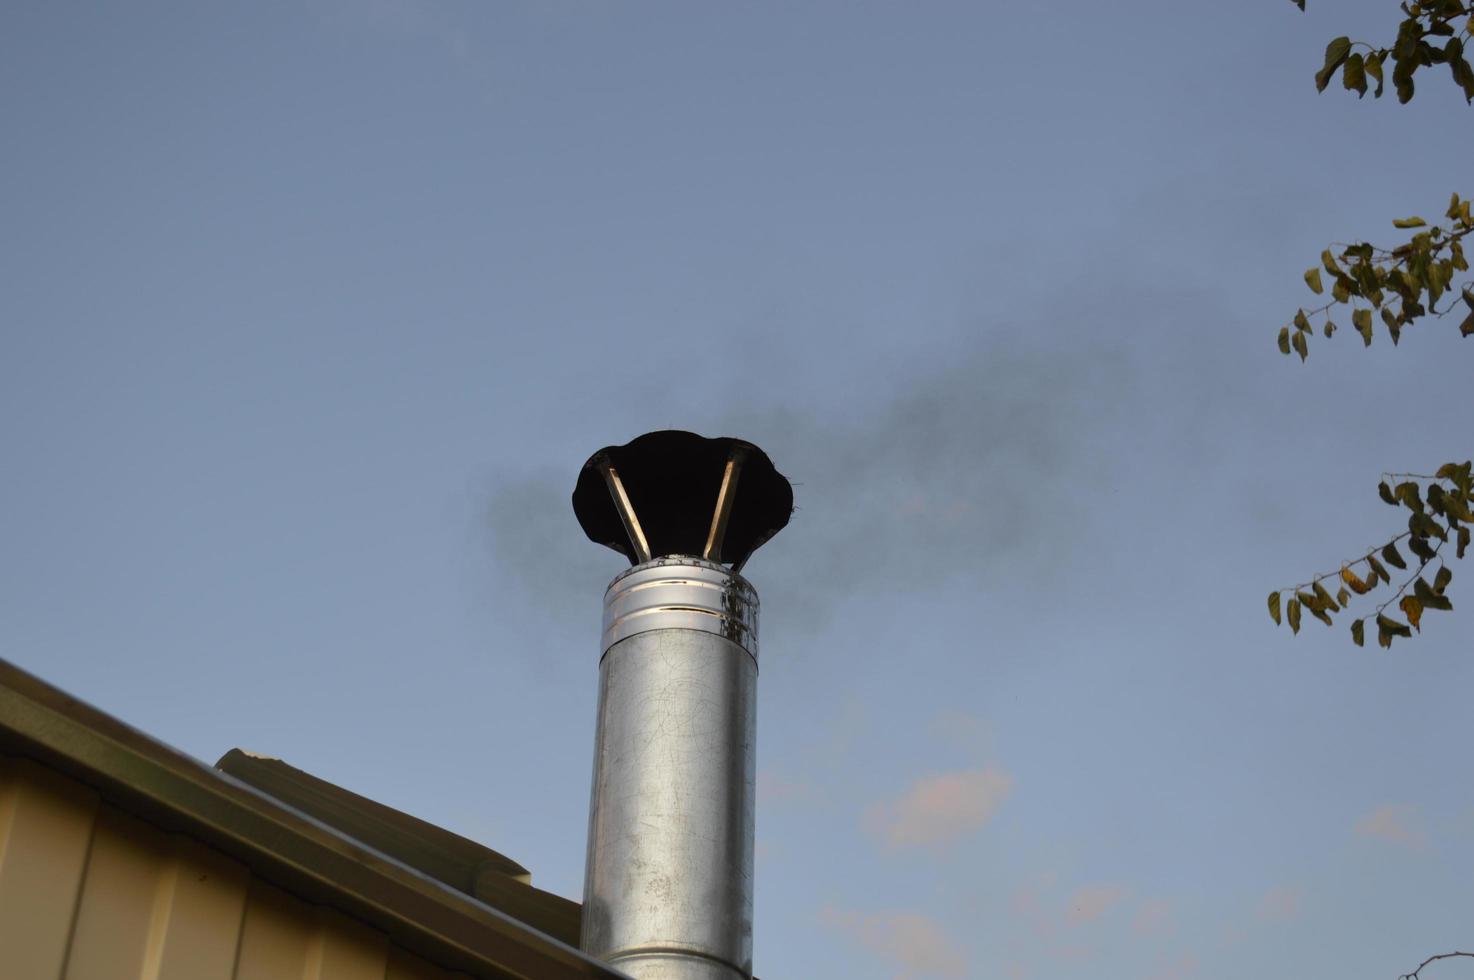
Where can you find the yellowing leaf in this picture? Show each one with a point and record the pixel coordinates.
(1409, 223)
(1413, 610)
(1326, 600)
(1274, 607)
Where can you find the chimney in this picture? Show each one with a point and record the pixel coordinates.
(668, 886)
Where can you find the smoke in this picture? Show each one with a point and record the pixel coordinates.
(981, 467)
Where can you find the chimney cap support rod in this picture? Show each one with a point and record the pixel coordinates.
(723, 512)
(625, 509)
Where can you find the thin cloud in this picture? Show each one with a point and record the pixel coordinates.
(1281, 904)
(1090, 902)
(963, 730)
(938, 810)
(774, 788)
(916, 944)
(1395, 823)
(1029, 904)
(1178, 969)
(1153, 917)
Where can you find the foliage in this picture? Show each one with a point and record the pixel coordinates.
(1399, 285)
(1416, 47)
(1441, 510)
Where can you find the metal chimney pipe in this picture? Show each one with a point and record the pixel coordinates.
(668, 881)
(668, 887)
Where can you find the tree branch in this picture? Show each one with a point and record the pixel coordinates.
(1440, 956)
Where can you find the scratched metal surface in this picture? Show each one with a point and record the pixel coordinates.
(668, 893)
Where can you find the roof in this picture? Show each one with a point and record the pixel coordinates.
(463, 864)
(439, 895)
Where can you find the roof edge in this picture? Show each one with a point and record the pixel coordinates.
(281, 844)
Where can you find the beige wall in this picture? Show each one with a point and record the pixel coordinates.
(88, 892)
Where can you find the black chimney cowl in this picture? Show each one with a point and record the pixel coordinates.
(674, 482)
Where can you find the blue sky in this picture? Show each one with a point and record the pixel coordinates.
(313, 310)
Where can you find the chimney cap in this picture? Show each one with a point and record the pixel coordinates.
(672, 492)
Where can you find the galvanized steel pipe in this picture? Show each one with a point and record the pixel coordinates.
(668, 887)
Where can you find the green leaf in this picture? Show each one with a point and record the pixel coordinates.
(1463, 76)
(1374, 69)
(1274, 607)
(1419, 546)
(1441, 580)
(1407, 493)
(1362, 321)
(1330, 328)
(1424, 527)
(1436, 501)
(1456, 508)
(1463, 541)
(1467, 327)
(1430, 598)
(1336, 53)
(1284, 340)
(1312, 279)
(1392, 626)
(1354, 76)
(1299, 343)
(1392, 556)
(1327, 601)
(1329, 261)
(1409, 223)
(1292, 613)
(1358, 632)
(1377, 571)
(1385, 492)
(1403, 80)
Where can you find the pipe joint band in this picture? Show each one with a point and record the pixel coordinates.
(681, 592)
